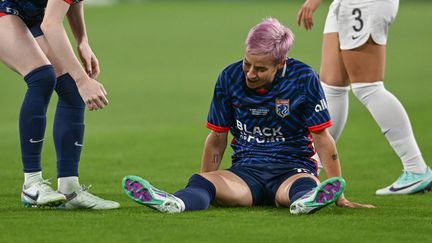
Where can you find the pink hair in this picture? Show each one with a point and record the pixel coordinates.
(270, 37)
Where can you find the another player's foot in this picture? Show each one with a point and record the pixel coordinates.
(82, 199)
(409, 183)
(142, 192)
(324, 194)
(40, 194)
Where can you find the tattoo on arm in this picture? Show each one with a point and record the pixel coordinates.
(334, 156)
(216, 159)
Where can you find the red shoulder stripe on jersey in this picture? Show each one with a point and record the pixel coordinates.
(2, 14)
(320, 127)
(216, 128)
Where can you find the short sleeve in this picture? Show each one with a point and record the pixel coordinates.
(220, 116)
(316, 108)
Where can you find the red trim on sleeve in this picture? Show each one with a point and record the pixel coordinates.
(320, 127)
(2, 14)
(216, 128)
(70, 2)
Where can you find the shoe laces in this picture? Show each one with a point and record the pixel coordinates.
(44, 185)
(85, 192)
(407, 176)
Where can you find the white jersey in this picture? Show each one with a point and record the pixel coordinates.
(356, 20)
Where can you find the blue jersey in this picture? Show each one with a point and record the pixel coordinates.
(275, 126)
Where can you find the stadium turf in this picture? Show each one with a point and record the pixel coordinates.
(159, 63)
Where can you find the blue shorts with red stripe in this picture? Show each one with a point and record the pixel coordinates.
(265, 179)
(31, 12)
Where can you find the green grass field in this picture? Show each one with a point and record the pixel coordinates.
(159, 64)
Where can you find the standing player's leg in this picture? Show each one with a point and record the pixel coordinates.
(365, 63)
(20, 52)
(222, 187)
(365, 66)
(335, 83)
(68, 135)
(333, 74)
(305, 195)
(334, 78)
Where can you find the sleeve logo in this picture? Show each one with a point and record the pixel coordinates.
(321, 106)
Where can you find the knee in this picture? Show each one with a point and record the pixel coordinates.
(289, 186)
(197, 181)
(68, 92)
(334, 76)
(212, 176)
(42, 77)
(200, 181)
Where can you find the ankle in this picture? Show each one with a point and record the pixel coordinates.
(32, 178)
(67, 185)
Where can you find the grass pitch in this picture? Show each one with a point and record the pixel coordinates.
(159, 64)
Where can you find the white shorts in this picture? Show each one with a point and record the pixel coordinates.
(356, 20)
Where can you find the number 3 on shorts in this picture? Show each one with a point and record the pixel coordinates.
(358, 26)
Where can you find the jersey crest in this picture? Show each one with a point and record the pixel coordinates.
(282, 107)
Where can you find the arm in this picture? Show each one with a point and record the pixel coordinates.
(305, 14)
(214, 149)
(326, 149)
(76, 21)
(91, 91)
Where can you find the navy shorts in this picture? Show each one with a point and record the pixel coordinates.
(30, 13)
(265, 179)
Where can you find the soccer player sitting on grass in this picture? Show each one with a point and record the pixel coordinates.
(275, 108)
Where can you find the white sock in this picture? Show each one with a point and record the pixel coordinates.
(31, 178)
(393, 120)
(338, 102)
(318, 160)
(182, 204)
(67, 185)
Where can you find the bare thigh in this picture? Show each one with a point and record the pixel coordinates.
(282, 198)
(43, 44)
(18, 49)
(365, 64)
(231, 190)
(332, 71)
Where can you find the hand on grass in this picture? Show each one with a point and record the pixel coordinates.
(345, 203)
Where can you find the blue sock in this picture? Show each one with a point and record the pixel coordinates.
(68, 129)
(32, 118)
(300, 187)
(198, 194)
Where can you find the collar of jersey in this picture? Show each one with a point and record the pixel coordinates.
(267, 87)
